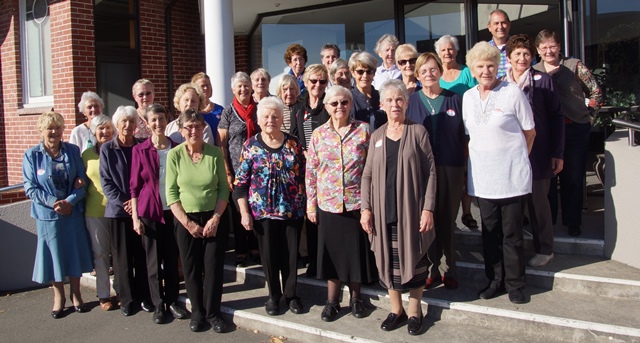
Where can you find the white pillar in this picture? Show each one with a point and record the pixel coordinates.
(219, 47)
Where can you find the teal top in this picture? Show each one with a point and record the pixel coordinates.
(462, 84)
(197, 186)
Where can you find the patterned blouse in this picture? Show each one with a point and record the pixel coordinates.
(142, 131)
(335, 167)
(272, 179)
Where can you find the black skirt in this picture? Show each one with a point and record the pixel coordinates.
(344, 252)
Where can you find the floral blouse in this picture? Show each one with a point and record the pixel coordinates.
(272, 179)
(142, 131)
(335, 167)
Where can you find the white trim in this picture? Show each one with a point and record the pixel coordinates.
(27, 101)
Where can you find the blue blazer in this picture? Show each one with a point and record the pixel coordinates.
(38, 184)
(114, 178)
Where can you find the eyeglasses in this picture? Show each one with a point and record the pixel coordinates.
(140, 95)
(341, 102)
(411, 61)
(314, 81)
(431, 71)
(196, 127)
(549, 48)
(362, 71)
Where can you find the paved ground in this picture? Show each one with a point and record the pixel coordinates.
(26, 317)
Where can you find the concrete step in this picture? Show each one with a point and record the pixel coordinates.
(552, 315)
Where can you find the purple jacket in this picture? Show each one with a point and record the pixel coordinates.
(145, 178)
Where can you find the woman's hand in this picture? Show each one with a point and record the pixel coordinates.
(557, 165)
(138, 227)
(246, 220)
(63, 207)
(194, 229)
(230, 181)
(79, 183)
(313, 217)
(426, 221)
(366, 222)
(127, 206)
(211, 227)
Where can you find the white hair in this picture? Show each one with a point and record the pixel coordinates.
(128, 112)
(89, 95)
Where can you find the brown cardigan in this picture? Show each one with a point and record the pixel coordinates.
(416, 187)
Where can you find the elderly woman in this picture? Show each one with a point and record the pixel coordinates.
(239, 123)
(97, 225)
(143, 94)
(197, 192)
(386, 49)
(440, 111)
(574, 83)
(51, 171)
(288, 91)
(152, 218)
(189, 95)
(546, 154)
(339, 74)
(458, 79)
(129, 262)
(211, 111)
(366, 99)
(500, 124)
(90, 105)
(311, 115)
(406, 56)
(260, 79)
(270, 193)
(296, 58)
(337, 154)
(398, 200)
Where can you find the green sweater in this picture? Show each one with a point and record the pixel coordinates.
(198, 186)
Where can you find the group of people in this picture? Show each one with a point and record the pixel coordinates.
(369, 163)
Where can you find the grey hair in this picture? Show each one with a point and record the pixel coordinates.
(128, 112)
(387, 37)
(330, 46)
(447, 39)
(335, 66)
(364, 59)
(264, 73)
(287, 80)
(395, 86)
(98, 121)
(272, 103)
(240, 77)
(89, 95)
(337, 90)
(499, 11)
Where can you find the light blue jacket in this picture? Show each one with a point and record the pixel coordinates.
(38, 184)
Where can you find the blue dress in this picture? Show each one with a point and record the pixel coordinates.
(63, 244)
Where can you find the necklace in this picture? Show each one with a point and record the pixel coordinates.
(195, 156)
(397, 128)
(433, 110)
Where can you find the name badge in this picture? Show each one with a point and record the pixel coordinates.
(40, 172)
(378, 143)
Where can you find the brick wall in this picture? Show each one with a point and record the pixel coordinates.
(241, 45)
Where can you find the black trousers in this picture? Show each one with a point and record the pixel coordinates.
(159, 242)
(129, 262)
(312, 247)
(202, 255)
(278, 242)
(243, 239)
(503, 241)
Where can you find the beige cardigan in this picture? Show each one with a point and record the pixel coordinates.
(416, 188)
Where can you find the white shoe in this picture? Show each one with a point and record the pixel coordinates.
(540, 260)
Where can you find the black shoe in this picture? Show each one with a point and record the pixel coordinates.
(392, 321)
(492, 291)
(415, 325)
(158, 315)
(574, 230)
(241, 261)
(295, 305)
(357, 308)
(218, 324)
(177, 312)
(516, 296)
(330, 311)
(196, 325)
(256, 258)
(126, 310)
(57, 314)
(272, 306)
(147, 306)
(81, 308)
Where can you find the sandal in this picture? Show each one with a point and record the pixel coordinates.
(105, 304)
(93, 273)
(468, 221)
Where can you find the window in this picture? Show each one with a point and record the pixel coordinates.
(37, 77)
(426, 22)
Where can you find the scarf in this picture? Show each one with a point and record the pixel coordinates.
(525, 83)
(247, 114)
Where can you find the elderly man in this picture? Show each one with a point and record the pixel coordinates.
(328, 54)
(499, 26)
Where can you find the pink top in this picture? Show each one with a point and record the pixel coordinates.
(334, 167)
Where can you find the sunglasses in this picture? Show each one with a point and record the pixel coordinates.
(341, 102)
(362, 71)
(322, 82)
(411, 61)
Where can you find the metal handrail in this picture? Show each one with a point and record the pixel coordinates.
(11, 188)
(631, 126)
